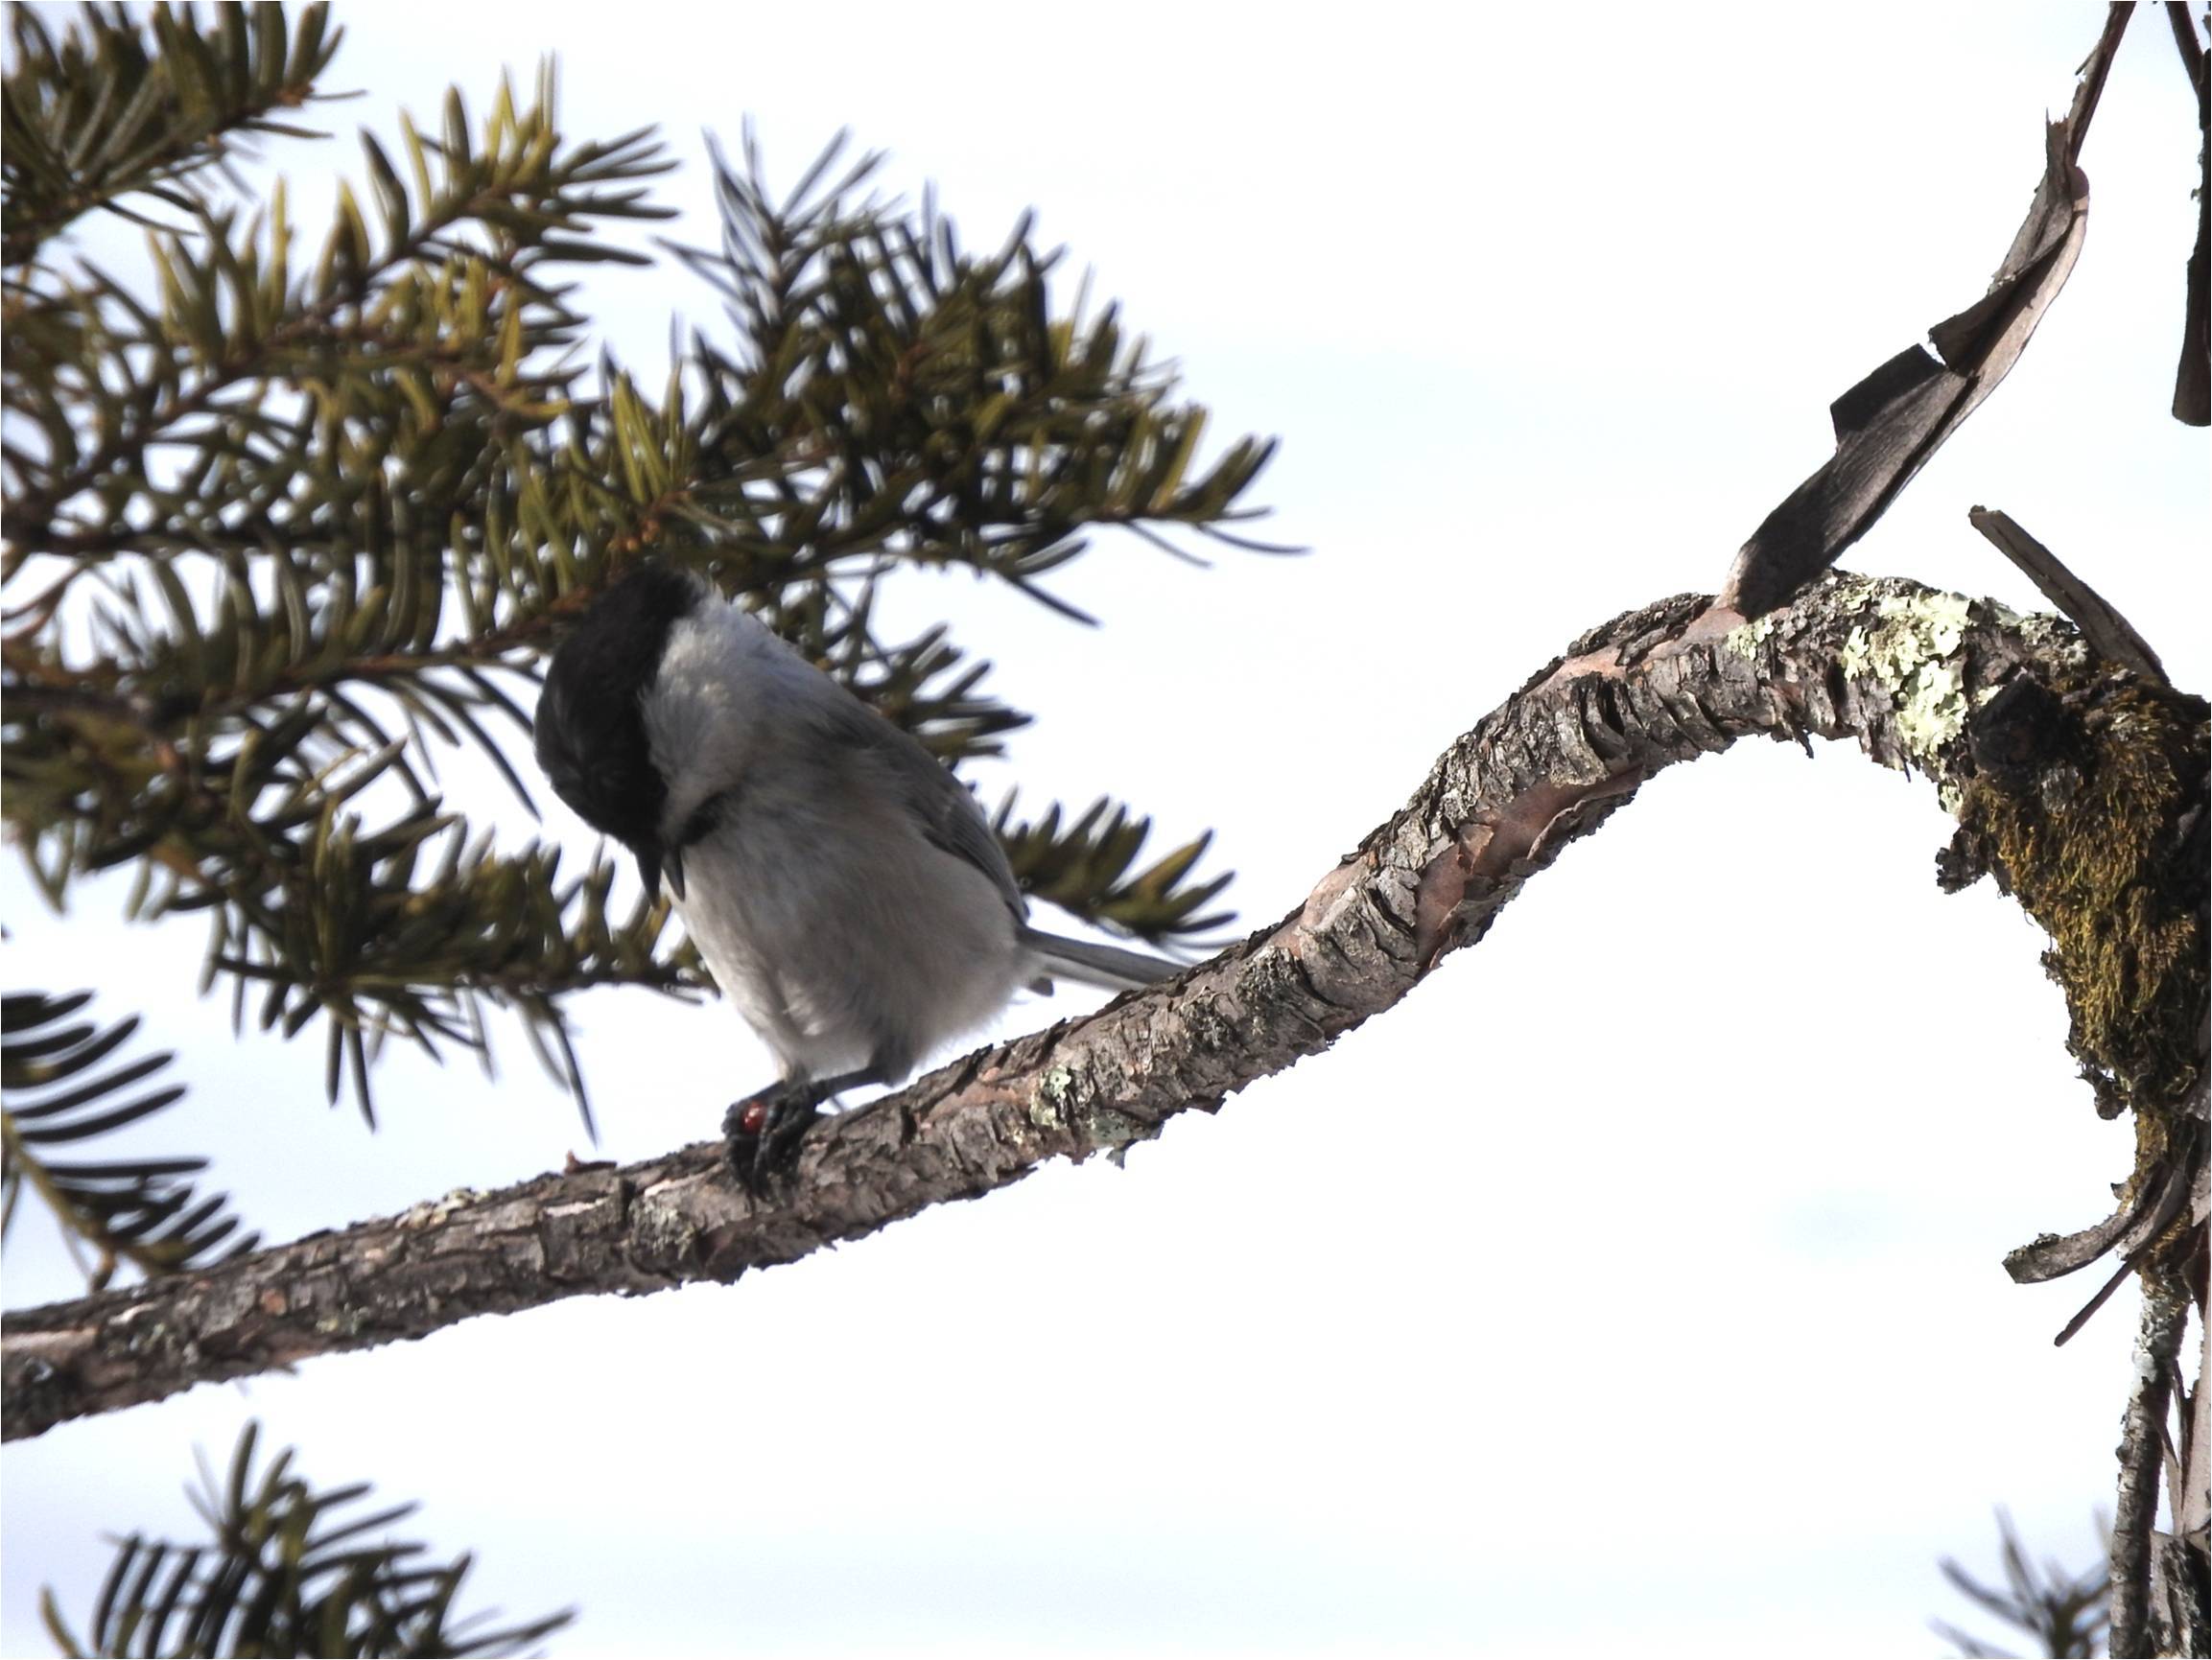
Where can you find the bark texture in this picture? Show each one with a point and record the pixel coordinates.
(2142, 1445)
(1898, 668)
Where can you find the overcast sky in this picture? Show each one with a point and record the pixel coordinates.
(1637, 1281)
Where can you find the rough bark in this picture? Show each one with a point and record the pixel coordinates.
(2142, 1447)
(1900, 668)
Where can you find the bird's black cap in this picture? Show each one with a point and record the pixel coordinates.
(590, 727)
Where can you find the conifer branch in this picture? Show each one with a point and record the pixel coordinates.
(286, 1569)
(392, 495)
(134, 1212)
(119, 108)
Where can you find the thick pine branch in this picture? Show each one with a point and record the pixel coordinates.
(1897, 667)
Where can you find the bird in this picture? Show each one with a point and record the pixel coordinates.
(845, 888)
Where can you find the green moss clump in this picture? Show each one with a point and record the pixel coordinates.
(2104, 848)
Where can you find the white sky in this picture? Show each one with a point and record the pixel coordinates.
(1636, 1282)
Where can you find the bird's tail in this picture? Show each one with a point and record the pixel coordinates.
(1107, 966)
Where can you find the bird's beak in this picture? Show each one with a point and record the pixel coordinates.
(654, 867)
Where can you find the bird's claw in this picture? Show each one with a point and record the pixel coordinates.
(762, 1134)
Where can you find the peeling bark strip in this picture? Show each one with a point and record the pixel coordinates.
(1894, 665)
(1889, 423)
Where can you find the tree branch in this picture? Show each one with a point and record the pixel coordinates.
(2112, 635)
(2142, 1447)
(1893, 666)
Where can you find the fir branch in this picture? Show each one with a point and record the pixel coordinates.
(925, 404)
(286, 1569)
(388, 496)
(2064, 1614)
(1084, 869)
(138, 1212)
(123, 106)
(407, 929)
(451, 270)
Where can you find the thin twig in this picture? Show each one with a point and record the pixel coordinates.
(2104, 1296)
(2112, 634)
(2192, 379)
(2142, 1456)
(2145, 1214)
(2193, 57)
(2094, 69)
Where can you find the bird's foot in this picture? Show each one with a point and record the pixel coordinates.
(762, 1132)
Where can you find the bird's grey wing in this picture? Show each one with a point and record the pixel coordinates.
(944, 809)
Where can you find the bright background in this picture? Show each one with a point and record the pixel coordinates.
(1636, 1282)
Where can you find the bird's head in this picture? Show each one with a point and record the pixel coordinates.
(590, 728)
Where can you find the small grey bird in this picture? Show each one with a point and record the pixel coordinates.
(845, 889)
